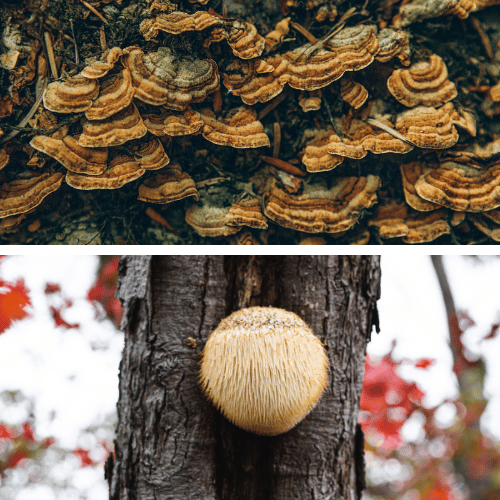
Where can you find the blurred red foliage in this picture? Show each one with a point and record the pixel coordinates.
(103, 290)
(14, 298)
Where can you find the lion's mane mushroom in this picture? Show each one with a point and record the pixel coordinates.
(264, 369)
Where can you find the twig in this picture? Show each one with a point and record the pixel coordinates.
(319, 43)
(283, 165)
(310, 37)
(77, 57)
(210, 182)
(484, 38)
(264, 111)
(389, 130)
(50, 54)
(330, 116)
(102, 37)
(40, 87)
(276, 139)
(153, 214)
(94, 11)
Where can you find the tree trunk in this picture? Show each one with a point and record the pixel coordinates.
(172, 443)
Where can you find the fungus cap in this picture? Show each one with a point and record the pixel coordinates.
(264, 369)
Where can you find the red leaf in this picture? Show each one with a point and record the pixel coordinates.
(28, 432)
(13, 302)
(47, 442)
(52, 288)
(493, 331)
(104, 289)
(6, 432)
(14, 459)
(59, 321)
(424, 363)
(84, 457)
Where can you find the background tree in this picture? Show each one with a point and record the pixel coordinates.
(171, 443)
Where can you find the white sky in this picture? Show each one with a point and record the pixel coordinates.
(72, 375)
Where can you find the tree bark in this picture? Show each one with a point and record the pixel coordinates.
(171, 442)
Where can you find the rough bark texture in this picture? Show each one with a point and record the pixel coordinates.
(172, 444)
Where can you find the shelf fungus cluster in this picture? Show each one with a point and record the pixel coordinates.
(339, 135)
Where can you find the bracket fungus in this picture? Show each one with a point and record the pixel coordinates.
(178, 22)
(426, 227)
(73, 95)
(242, 37)
(76, 158)
(120, 170)
(209, 220)
(113, 131)
(393, 44)
(115, 93)
(320, 209)
(411, 173)
(353, 92)
(427, 127)
(167, 122)
(316, 156)
(425, 82)
(418, 10)
(162, 78)
(264, 369)
(240, 129)
(246, 212)
(171, 184)
(21, 195)
(460, 187)
(98, 69)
